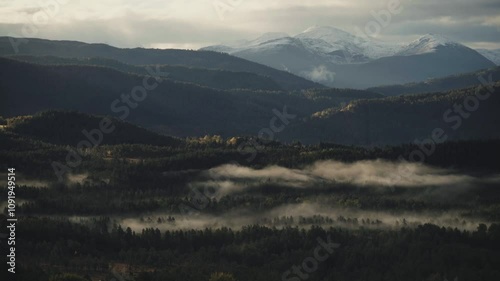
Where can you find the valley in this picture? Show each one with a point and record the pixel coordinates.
(319, 156)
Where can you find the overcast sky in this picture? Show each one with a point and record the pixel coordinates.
(197, 23)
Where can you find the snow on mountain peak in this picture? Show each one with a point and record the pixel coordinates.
(436, 39)
(337, 45)
(427, 44)
(339, 39)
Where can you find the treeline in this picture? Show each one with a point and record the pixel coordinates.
(427, 252)
(151, 154)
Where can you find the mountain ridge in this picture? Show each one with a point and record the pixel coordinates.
(172, 108)
(337, 58)
(142, 56)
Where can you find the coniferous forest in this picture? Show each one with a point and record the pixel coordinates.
(164, 141)
(147, 207)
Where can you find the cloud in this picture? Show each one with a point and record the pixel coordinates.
(196, 23)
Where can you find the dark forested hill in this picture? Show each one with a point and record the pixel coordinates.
(217, 79)
(459, 113)
(66, 128)
(141, 56)
(441, 84)
(172, 108)
(183, 110)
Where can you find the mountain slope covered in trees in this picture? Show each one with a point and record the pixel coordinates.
(172, 108)
(470, 113)
(69, 128)
(141, 56)
(454, 82)
(217, 79)
(184, 110)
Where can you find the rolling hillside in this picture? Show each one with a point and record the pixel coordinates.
(441, 84)
(217, 79)
(65, 128)
(141, 56)
(173, 108)
(404, 119)
(184, 110)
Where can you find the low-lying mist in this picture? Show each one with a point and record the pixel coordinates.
(311, 209)
(229, 179)
(302, 215)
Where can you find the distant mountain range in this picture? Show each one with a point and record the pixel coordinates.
(217, 79)
(141, 56)
(339, 59)
(181, 109)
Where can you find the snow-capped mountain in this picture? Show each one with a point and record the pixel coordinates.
(327, 40)
(492, 55)
(337, 45)
(428, 43)
(340, 59)
(337, 39)
(330, 43)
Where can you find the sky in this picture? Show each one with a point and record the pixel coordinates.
(191, 24)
